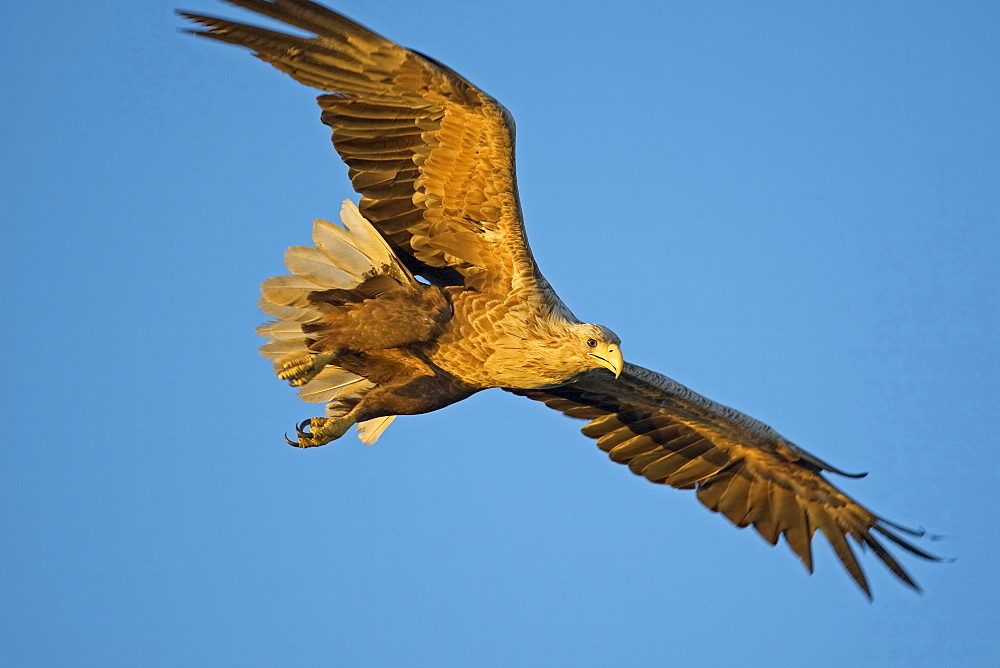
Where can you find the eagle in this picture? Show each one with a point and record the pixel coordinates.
(428, 293)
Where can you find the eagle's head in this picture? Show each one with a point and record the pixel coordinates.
(558, 352)
(596, 347)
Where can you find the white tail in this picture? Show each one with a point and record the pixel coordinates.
(343, 258)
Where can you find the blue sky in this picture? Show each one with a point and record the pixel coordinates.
(790, 208)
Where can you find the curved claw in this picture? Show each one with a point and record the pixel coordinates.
(300, 428)
(318, 431)
(300, 431)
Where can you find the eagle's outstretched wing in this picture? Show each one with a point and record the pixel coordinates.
(432, 155)
(738, 466)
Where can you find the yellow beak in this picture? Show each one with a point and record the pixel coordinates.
(611, 359)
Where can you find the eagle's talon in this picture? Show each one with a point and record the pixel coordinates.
(301, 370)
(303, 436)
(318, 431)
(300, 428)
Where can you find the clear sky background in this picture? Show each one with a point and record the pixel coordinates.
(790, 207)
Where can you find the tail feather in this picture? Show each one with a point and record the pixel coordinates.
(314, 266)
(370, 430)
(331, 383)
(280, 351)
(288, 290)
(344, 257)
(360, 236)
(282, 330)
(329, 239)
(294, 313)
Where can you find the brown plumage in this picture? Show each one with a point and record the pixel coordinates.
(433, 158)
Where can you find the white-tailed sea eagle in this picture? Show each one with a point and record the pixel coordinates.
(433, 159)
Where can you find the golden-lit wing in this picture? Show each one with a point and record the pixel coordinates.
(738, 466)
(432, 155)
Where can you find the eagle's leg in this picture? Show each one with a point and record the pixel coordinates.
(301, 370)
(320, 431)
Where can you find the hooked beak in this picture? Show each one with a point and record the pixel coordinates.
(611, 359)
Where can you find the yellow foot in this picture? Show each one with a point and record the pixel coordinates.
(319, 431)
(301, 370)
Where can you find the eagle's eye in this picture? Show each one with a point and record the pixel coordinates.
(592, 343)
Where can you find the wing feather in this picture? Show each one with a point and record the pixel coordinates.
(739, 467)
(431, 154)
(734, 500)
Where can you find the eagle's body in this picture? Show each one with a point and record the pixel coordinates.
(360, 332)
(433, 158)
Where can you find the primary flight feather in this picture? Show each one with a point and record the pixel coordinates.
(433, 159)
